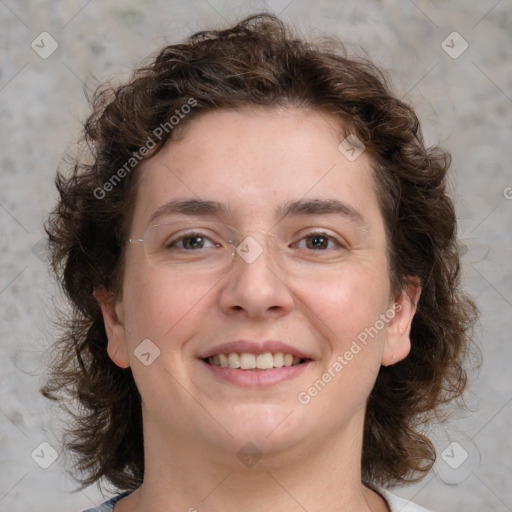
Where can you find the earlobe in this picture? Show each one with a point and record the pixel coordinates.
(398, 343)
(113, 318)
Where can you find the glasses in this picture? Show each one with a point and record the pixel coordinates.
(214, 246)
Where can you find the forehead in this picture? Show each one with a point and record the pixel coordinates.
(256, 160)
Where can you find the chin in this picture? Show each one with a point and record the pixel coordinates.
(269, 426)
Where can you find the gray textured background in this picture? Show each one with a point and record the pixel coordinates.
(464, 104)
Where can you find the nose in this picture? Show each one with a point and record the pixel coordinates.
(256, 286)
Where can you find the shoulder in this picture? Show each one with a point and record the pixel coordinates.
(397, 504)
(108, 506)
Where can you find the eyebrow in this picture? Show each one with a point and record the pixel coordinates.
(198, 207)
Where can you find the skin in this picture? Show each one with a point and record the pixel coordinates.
(254, 160)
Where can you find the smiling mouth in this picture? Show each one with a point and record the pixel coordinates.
(248, 361)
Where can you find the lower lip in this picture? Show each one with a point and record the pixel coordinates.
(256, 378)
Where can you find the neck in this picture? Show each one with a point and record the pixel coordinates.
(316, 475)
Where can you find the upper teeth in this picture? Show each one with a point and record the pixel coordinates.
(247, 361)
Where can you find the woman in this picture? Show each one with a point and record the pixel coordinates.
(262, 262)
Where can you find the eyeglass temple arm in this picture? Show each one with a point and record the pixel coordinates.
(141, 240)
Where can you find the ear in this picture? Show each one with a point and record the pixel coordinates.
(398, 343)
(113, 316)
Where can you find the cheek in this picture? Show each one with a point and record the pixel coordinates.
(349, 312)
(160, 305)
(349, 302)
(168, 311)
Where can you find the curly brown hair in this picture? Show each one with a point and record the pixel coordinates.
(257, 62)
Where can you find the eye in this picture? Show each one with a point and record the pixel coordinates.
(319, 241)
(191, 241)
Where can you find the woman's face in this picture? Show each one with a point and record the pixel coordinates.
(323, 298)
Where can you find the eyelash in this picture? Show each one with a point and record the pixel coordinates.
(325, 235)
(193, 234)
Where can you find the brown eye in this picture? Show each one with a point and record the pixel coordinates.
(319, 242)
(191, 242)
